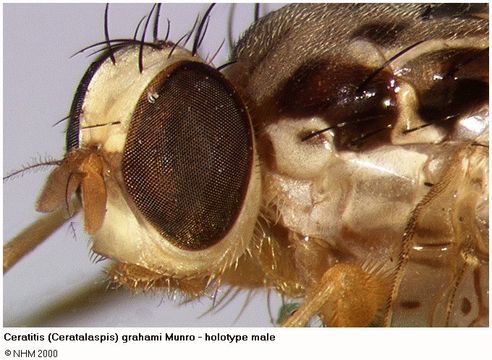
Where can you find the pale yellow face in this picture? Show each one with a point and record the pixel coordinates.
(68, 251)
(126, 235)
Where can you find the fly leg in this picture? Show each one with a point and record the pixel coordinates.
(35, 234)
(346, 295)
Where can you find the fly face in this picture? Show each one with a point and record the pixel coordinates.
(372, 170)
(55, 286)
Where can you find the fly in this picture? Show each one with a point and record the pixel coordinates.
(270, 150)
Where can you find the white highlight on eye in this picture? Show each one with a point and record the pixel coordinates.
(152, 97)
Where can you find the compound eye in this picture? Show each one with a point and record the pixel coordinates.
(188, 156)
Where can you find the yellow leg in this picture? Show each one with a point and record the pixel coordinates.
(35, 234)
(345, 296)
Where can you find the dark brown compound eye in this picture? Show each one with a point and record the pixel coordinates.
(188, 156)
